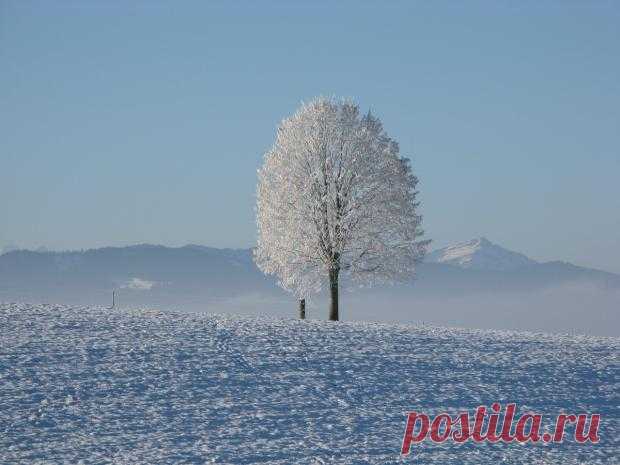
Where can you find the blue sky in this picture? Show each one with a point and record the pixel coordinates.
(131, 122)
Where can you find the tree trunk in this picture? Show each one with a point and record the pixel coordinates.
(333, 291)
(302, 309)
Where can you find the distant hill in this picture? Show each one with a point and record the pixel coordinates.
(479, 265)
(467, 284)
(190, 274)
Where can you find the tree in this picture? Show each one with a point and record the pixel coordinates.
(335, 199)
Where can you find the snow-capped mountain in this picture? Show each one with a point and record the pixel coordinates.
(480, 254)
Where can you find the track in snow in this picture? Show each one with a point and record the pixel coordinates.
(139, 386)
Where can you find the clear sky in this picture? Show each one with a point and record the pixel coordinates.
(131, 122)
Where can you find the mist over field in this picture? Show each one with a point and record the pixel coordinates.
(476, 284)
(572, 308)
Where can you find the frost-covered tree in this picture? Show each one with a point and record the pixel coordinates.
(335, 199)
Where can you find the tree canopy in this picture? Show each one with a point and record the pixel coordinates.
(335, 197)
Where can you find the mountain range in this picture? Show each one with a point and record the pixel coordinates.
(474, 283)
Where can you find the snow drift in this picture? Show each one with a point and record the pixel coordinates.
(143, 387)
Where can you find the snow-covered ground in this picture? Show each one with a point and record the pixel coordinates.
(146, 387)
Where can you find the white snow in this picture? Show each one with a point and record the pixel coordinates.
(148, 387)
(138, 284)
(336, 202)
(480, 254)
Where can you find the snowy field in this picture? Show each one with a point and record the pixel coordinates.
(145, 387)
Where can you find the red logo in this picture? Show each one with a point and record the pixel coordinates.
(525, 428)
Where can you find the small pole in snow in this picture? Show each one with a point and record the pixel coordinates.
(302, 309)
